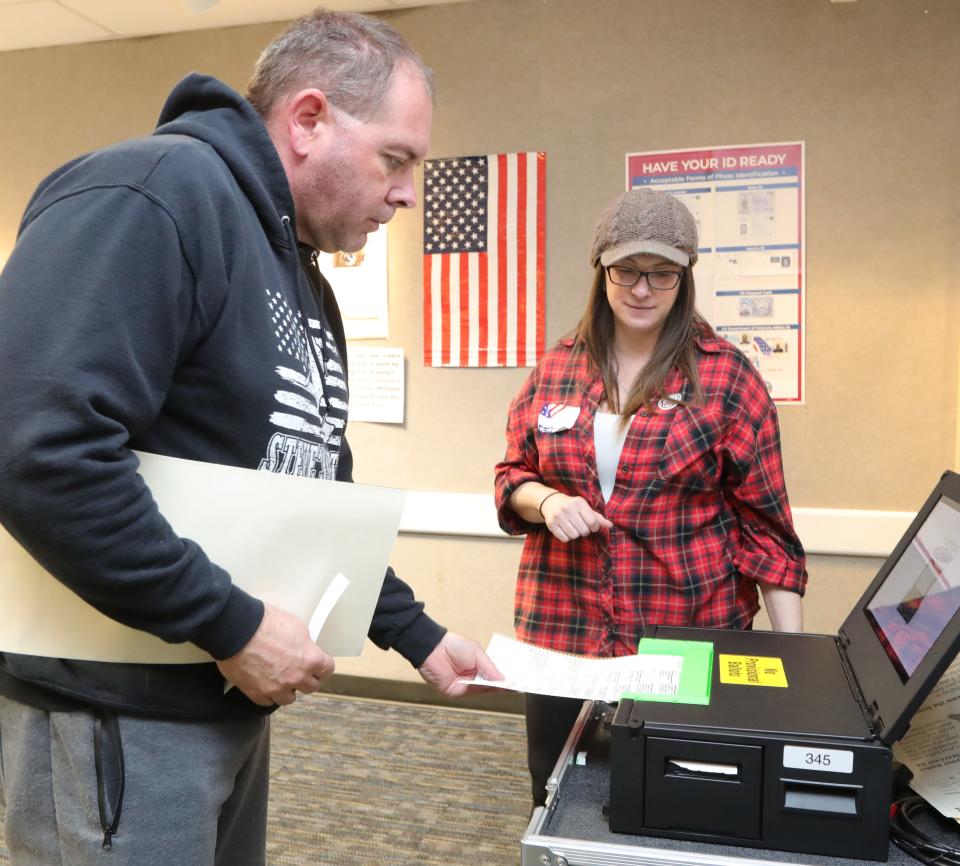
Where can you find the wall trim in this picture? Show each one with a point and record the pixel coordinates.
(824, 531)
(417, 692)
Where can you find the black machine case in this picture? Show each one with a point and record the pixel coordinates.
(805, 767)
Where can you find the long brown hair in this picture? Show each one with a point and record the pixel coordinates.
(675, 348)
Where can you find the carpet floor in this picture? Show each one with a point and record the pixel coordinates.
(358, 782)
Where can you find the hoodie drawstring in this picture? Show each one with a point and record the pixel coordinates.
(302, 297)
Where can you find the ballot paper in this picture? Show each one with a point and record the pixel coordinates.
(282, 538)
(931, 747)
(528, 668)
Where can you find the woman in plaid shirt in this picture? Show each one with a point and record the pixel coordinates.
(643, 463)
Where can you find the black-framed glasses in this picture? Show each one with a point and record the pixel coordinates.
(661, 281)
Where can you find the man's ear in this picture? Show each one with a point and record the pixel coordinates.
(309, 116)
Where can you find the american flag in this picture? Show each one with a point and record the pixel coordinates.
(483, 257)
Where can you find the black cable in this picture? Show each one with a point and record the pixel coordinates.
(907, 836)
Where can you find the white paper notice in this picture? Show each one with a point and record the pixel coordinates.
(282, 538)
(931, 748)
(359, 282)
(376, 384)
(528, 668)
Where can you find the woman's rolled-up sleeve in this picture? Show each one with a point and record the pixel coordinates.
(767, 548)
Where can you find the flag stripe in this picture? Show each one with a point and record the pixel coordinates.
(501, 245)
(512, 223)
(428, 309)
(541, 252)
(521, 341)
(532, 265)
(466, 312)
(483, 336)
(437, 317)
(494, 301)
(453, 322)
(533, 216)
(445, 310)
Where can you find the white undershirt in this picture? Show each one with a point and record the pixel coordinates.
(608, 438)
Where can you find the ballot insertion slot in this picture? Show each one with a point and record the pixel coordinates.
(702, 770)
(819, 797)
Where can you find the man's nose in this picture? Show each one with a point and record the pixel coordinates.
(403, 194)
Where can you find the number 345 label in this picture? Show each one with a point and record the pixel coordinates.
(825, 760)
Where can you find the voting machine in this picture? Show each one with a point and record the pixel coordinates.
(792, 750)
(572, 828)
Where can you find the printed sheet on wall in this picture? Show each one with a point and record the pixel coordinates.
(483, 260)
(748, 201)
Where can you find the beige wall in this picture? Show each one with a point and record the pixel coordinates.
(869, 86)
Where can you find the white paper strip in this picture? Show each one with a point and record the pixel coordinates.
(330, 597)
(528, 668)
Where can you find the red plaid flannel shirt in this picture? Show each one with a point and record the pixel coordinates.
(699, 508)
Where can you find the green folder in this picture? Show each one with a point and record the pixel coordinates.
(696, 675)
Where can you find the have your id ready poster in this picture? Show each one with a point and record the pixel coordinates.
(748, 201)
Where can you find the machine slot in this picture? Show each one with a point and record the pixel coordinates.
(820, 797)
(687, 769)
(697, 786)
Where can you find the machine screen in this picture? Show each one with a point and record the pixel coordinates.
(921, 593)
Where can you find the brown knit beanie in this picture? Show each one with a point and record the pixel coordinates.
(645, 220)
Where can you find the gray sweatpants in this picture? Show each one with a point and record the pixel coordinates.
(193, 793)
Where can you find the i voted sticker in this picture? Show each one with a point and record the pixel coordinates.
(671, 401)
(556, 417)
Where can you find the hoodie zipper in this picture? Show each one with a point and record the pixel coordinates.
(111, 775)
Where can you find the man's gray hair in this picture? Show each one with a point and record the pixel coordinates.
(350, 57)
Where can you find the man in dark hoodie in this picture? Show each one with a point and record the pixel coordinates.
(163, 296)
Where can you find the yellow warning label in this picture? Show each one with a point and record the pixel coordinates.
(752, 671)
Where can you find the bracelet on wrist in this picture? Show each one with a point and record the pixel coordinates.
(545, 498)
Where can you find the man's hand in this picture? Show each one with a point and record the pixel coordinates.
(453, 658)
(278, 661)
(570, 517)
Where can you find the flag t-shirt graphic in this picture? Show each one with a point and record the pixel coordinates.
(311, 411)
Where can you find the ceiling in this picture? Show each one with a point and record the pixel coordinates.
(38, 23)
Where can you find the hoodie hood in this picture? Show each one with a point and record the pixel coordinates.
(206, 109)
